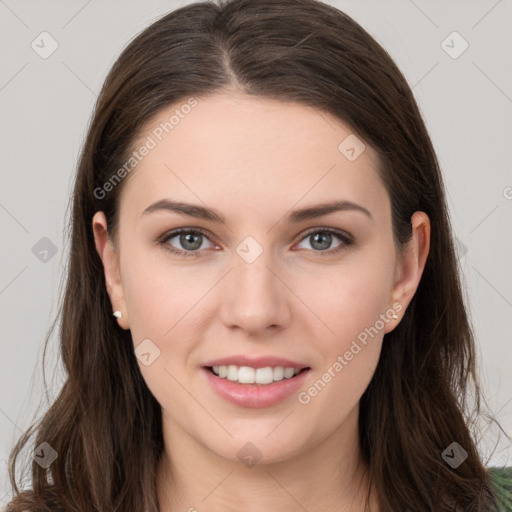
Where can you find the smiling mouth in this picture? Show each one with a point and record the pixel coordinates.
(256, 376)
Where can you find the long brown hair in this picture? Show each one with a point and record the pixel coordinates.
(105, 424)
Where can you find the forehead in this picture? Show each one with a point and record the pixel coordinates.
(250, 152)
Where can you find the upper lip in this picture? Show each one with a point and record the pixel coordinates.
(256, 362)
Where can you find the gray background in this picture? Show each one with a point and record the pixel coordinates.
(46, 104)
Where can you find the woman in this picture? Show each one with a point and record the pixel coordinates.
(263, 308)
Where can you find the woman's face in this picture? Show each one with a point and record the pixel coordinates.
(275, 284)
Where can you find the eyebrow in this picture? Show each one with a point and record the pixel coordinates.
(201, 212)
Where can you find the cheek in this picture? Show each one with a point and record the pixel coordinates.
(160, 306)
(350, 348)
(167, 305)
(350, 302)
(157, 293)
(349, 298)
(148, 298)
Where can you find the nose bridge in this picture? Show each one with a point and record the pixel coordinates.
(256, 298)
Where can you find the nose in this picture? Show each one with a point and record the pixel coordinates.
(255, 298)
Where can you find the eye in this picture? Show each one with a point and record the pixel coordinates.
(190, 240)
(322, 238)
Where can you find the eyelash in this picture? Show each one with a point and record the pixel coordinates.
(345, 239)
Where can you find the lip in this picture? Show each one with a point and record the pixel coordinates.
(255, 395)
(256, 362)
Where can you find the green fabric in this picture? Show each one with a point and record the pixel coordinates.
(501, 479)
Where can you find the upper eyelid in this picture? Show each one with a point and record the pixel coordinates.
(175, 232)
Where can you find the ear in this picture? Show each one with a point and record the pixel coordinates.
(410, 267)
(110, 258)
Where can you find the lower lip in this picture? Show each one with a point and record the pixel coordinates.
(255, 395)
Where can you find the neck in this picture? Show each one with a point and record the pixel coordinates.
(329, 477)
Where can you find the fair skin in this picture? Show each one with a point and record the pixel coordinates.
(254, 161)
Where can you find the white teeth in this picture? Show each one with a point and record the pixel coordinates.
(249, 375)
(246, 375)
(288, 372)
(232, 372)
(278, 373)
(264, 375)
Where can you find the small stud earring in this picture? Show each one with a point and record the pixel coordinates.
(117, 314)
(394, 316)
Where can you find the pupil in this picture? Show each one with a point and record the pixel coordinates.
(185, 239)
(325, 236)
